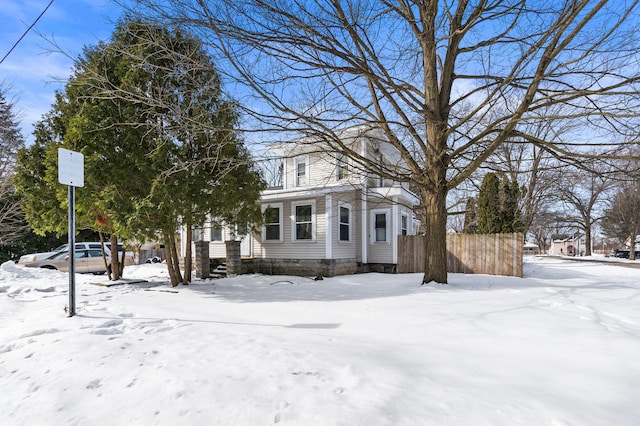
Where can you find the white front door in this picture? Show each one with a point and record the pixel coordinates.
(245, 246)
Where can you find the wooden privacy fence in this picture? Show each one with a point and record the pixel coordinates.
(492, 254)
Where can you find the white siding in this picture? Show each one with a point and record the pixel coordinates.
(290, 249)
(346, 249)
(321, 171)
(380, 251)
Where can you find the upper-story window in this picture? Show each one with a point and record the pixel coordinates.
(342, 167)
(302, 171)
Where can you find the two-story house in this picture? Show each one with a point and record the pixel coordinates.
(327, 215)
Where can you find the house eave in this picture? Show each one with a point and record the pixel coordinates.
(394, 191)
(301, 193)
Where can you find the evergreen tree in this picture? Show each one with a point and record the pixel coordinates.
(498, 205)
(158, 139)
(471, 216)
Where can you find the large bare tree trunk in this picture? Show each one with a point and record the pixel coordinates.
(435, 262)
(587, 238)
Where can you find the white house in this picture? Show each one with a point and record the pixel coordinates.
(571, 245)
(327, 216)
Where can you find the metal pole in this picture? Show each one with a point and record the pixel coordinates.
(72, 252)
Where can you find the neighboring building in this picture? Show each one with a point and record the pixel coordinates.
(326, 216)
(530, 249)
(568, 245)
(627, 243)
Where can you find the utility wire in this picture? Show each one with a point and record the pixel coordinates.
(26, 32)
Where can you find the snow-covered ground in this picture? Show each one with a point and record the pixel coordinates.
(559, 347)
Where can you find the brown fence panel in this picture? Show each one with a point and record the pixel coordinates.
(492, 254)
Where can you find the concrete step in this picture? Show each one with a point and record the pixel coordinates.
(219, 272)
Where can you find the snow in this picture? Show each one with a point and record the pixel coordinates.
(559, 347)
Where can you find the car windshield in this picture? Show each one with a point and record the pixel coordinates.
(63, 247)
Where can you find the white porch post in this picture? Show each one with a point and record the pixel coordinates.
(328, 248)
(364, 227)
(394, 230)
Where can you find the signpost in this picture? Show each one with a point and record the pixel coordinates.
(71, 173)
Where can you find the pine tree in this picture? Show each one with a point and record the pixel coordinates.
(498, 210)
(158, 138)
(471, 216)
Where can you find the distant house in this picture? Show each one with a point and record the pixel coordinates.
(568, 245)
(627, 243)
(326, 215)
(530, 249)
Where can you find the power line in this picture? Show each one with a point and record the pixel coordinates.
(25, 33)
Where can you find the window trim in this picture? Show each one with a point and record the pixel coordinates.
(280, 208)
(303, 159)
(387, 213)
(349, 223)
(294, 230)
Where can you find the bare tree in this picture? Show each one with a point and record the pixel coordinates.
(544, 226)
(533, 167)
(622, 217)
(12, 223)
(582, 194)
(447, 81)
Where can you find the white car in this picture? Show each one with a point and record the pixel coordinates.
(35, 257)
(86, 261)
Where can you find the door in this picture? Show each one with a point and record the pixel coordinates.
(81, 258)
(245, 246)
(95, 262)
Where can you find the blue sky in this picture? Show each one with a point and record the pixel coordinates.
(34, 74)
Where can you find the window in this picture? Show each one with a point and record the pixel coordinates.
(380, 226)
(344, 221)
(95, 253)
(242, 230)
(404, 224)
(274, 172)
(197, 234)
(342, 167)
(215, 234)
(304, 223)
(273, 223)
(301, 171)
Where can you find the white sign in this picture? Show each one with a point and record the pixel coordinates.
(70, 167)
